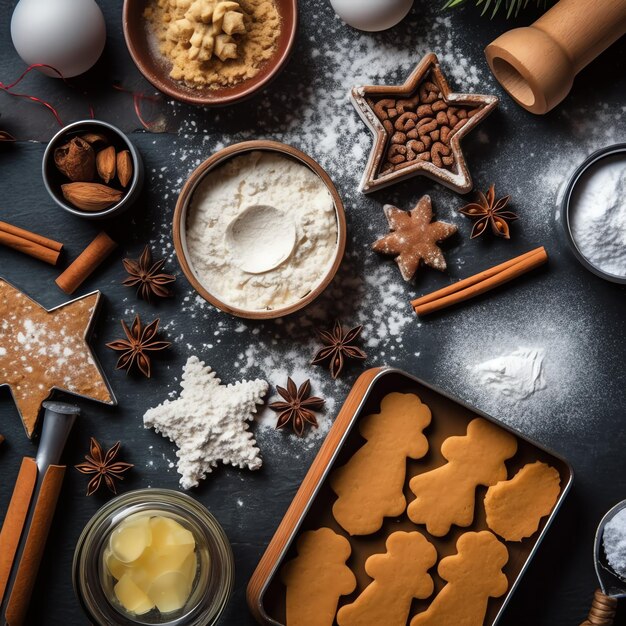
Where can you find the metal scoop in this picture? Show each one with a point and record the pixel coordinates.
(612, 586)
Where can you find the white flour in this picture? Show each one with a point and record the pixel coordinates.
(598, 215)
(515, 376)
(208, 422)
(271, 185)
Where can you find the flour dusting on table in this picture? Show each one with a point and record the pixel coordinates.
(313, 113)
(515, 376)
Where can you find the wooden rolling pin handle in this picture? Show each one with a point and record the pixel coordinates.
(584, 28)
(537, 64)
(602, 612)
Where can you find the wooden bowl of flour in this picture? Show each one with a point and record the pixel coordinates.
(253, 244)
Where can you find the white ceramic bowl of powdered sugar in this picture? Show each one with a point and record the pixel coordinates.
(594, 210)
(259, 229)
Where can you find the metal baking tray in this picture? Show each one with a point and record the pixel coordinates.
(311, 506)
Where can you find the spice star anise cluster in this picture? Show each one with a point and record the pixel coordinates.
(104, 466)
(489, 211)
(138, 343)
(339, 347)
(296, 410)
(147, 276)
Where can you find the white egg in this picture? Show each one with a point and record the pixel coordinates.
(372, 15)
(68, 35)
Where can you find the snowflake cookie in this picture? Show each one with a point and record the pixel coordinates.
(208, 422)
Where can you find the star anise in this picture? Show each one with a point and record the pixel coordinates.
(338, 347)
(298, 406)
(138, 343)
(146, 275)
(104, 466)
(489, 211)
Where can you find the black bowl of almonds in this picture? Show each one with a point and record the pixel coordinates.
(91, 169)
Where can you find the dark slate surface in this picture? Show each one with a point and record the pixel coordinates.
(558, 585)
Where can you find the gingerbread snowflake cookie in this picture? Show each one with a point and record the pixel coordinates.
(208, 422)
(413, 238)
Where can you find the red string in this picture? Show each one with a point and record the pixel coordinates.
(8, 88)
(137, 99)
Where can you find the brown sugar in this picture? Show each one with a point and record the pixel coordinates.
(249, 50)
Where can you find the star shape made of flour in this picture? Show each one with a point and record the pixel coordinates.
(208, 422)
(42, 350)
(414, 237)
(426, 121)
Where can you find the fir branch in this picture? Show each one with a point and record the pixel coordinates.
(512, 6)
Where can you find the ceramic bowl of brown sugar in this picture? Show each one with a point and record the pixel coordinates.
(206, 52)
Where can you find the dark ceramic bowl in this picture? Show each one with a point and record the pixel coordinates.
(156, 68)
(53, 179)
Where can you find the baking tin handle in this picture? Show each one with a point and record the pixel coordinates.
(602, 612)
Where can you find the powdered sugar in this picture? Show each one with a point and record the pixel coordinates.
(565, 338)
(598, 215)
(515, 376)
(614, 541)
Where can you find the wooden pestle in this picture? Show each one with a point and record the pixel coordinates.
(537, 64)
(603, 609)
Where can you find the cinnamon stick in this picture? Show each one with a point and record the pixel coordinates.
(37, 246)
(480, 283)
(86, 263)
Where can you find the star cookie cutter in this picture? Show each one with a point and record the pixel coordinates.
(28, 401)
(364, 99)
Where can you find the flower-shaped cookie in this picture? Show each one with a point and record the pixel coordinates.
(418, 127)
(413, 238)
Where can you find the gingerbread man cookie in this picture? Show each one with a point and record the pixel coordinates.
(515, 507)
(399, 576)
(317, 577)
(446, 495)
(370, 485)
(473, 575)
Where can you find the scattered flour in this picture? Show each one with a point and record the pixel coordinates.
(515, 376)
(308, 107)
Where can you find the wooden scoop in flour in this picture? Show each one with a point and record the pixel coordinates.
(612, 586)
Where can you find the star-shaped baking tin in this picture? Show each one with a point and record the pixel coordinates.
(34, 356)
(379, 173)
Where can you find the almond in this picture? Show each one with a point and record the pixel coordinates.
(91, 196)
(105, 164)
(124, 167)
(93, 138)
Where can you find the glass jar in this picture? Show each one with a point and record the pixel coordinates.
(215, 574)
